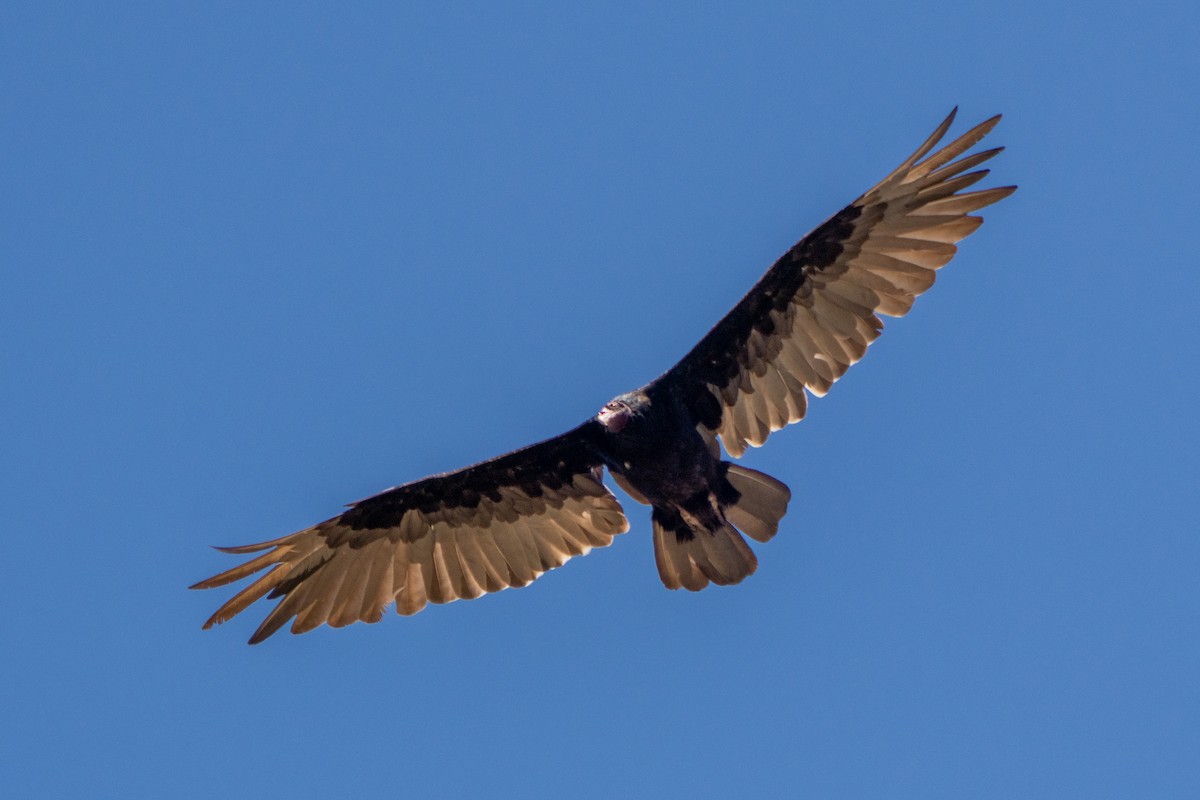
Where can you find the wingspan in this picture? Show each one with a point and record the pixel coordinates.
(497, 524)
(816, 310)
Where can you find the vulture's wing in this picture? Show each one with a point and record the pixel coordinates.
(815, 311)
(485, 528)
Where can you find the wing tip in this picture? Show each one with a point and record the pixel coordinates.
(269, 626)
(985, 127)
(220, 579)
(242, 549)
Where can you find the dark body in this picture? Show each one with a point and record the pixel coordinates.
(666, 463)
(503, 522)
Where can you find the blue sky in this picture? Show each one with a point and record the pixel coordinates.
(261, 261)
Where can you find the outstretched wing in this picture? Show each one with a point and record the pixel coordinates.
(817, 308)
(485, 528)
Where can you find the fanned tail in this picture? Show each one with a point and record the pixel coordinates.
(692, 559)
(702, 546)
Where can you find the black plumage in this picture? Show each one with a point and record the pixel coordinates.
(503, 522)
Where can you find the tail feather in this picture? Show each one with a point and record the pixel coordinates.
(762, 504)
(699, 543)
(697, 558)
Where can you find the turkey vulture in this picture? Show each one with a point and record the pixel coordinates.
(504, 522)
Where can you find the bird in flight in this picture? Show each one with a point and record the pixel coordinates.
(504, 522)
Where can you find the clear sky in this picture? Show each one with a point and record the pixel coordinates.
(261, 261)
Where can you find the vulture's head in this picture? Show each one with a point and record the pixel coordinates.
(617, 412)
